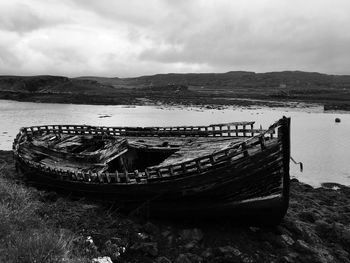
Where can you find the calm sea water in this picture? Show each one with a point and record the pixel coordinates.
(317, 141)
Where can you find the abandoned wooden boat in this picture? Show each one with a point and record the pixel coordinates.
(227, 169)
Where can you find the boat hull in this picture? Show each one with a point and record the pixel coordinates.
(255, 188)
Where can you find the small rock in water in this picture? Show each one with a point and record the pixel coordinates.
(337, 120)
(105, 116)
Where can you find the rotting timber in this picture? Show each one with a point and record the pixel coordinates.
(227, 169)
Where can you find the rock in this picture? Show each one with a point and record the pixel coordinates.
(275, 240)
(119, 241)
(170, 241)
(342, 234)
(310, 236)
(89, 240)
(143, 236)
(283, 231)
(308, 216)
(191, 234)
(286, 259)
(254, 229)
(89, 206)
(290, 258)
(116, 240)
(102, 260)
(150, 248)
(49, 196)
(182, 258)
(287, 239)
(163, 260)
(342, 255)
(294, 227)
(322, 228)
(151, 228)
(188, 258)
(322, 256)
(267, 245)
(166, 233)
(191, 245)
(207, 254)
(247, 259)
(114, 250)
(229, 250)
(301, 246)
(90, 247)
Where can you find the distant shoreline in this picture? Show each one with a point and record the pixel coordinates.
(238, 88)
(209, 102)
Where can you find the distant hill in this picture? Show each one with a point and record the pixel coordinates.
(229, 80)
(245, 79)
(52, 85)
(190, 88)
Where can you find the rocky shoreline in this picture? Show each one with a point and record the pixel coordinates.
(315, 229)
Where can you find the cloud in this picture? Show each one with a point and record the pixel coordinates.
(24, 16)
(260, 38)
(131, 38)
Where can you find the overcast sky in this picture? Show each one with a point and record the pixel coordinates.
(117, 38)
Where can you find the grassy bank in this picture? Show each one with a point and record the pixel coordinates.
(40, 226)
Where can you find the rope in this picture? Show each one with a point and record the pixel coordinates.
(300, 164)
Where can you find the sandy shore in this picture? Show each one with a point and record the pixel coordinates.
(315, 229)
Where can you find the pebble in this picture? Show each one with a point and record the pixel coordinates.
(102, 260)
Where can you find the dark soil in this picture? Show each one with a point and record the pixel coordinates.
(315, 229)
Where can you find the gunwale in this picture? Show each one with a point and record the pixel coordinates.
(207, 162)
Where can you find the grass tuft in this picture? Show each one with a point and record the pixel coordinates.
(38, 246)
(17, 208)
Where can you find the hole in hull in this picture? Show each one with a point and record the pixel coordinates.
(139, 159)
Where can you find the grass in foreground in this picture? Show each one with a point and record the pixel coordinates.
(25, 236)
(39, 226)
